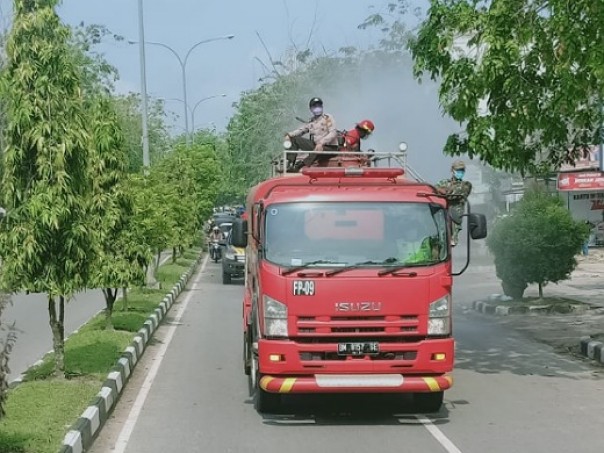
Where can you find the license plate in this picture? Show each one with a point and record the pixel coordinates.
(371, 347)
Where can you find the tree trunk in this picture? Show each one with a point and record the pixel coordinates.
(540, 290)
(57, 325)
(110, 296)
(150, 279)
(174, 254)
(125, 298)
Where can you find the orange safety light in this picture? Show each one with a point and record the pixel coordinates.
(346, 172)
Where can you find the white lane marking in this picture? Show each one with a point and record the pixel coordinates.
(130, 423)
(438, 434)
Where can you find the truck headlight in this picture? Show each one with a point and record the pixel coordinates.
(275, 318)
(230, 256)
(439, 319)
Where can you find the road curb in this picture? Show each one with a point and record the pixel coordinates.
(490, 307)
(592, 349)
(80, 436)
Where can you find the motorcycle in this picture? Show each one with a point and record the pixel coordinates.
(215, 251)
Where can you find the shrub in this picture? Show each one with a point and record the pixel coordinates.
(537, 243)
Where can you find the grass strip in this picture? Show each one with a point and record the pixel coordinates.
(42, 408)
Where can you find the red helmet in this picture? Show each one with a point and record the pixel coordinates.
(366, 125)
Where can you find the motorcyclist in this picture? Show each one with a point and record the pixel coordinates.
(216, 235)
(351, 140)
(322, 136)
(457, 192)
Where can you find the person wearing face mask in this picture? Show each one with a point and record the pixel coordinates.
(322, 136)
(457, 192)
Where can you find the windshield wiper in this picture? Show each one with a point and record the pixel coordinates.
(357, 265)
(396, 268)
(291, 270)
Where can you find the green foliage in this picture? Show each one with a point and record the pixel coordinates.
(121, 252)
(46, 242)
(537, 243)
(128, 108)
(534, 64)
(185, 185)
(40, 411)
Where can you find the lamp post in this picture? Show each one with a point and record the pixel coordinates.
(183, 66)
(192, 110)
(145, 137)
(197, 105)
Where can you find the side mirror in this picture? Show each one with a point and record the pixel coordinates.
(239, 233)
(477, 224)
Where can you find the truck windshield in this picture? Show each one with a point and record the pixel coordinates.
(333, 234)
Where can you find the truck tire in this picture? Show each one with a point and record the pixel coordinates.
(264, 402)
(226, 278)
(428, 402)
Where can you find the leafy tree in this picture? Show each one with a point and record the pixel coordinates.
(7, 343)
(526, 77)
(537, 243)
(98, 74)
(189, 177)
(129, 111)
(46, 242)
(120, 256)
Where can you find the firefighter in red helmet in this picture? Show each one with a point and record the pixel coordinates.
(353, 137)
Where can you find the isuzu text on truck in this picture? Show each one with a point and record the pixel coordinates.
(348, 285)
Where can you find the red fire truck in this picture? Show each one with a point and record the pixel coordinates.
(348, 285)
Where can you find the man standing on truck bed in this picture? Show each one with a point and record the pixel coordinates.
(323, 135)
(457, 192)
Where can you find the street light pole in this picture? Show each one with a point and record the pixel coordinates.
(145, 138)
(183, 67)
(197, 105)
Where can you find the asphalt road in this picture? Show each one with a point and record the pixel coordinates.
(510, 395)
(29, 313)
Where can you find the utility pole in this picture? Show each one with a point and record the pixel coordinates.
(141, 39)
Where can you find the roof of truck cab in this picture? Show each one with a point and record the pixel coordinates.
(299, 187)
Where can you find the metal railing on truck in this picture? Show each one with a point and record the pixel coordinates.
(279, 164)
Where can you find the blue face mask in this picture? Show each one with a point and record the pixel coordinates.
(316, 111)
(459, 174)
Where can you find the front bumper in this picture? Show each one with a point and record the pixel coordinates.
(420, 366)
(233, 267)
(351, 383)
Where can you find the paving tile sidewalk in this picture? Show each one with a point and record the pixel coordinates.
(568, 333)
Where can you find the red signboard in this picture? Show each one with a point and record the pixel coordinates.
(589, 180)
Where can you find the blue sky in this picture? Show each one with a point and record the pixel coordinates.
(223, 66)
(402, 109)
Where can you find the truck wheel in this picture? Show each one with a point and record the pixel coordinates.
(428, 402)
(264, 402)
(226, 278)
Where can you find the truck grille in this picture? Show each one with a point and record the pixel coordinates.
(356, 326)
